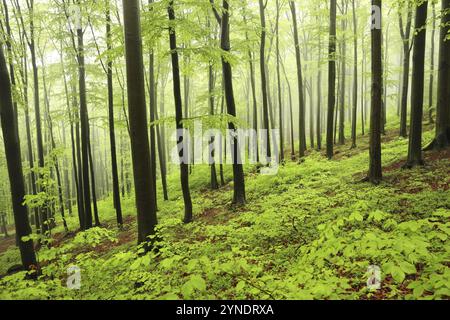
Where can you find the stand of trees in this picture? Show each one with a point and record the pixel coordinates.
(76, 76)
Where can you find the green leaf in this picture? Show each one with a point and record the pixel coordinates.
(240, 285)
(407, 267)
(418, 291)
(397, 274)
(198, 282)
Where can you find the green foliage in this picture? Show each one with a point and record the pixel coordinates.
(309, 232)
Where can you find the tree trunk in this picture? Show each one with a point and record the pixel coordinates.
(140, 151)
(431, 86)
(355, 76)
(301, 102)
(280, 103)
(405, 34)
(343, 78)
(331, 78)
(112, 135)
(375, 172)
(417, 88)
(84, 124)
(182, 146)
(238, 170)
(443, 110)
(14, 164)
(262, 64)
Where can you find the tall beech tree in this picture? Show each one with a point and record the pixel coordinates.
(140, 150)
(239, 197)
(15, 171)
(355, 75)
(331, 78)
(262, 64)
(442, 139)
(417, 89)
(375, 172)
(112, 133)
(301, 91)
(405, 32)
(181, 140)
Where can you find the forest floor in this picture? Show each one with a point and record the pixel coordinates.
(309, 232)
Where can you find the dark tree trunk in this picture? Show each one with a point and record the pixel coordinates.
(319, 99)
(254, 100)
(355, 76)
(37, 110)
(405, 34)
(343, 78)
(53, 145)
(93, 184)
(112, 134)
(291, 117)
(161, 137)
(417, 88)
(145, 195)
(262, 62)
(331, 78)
(238, 170)
(375, 172)
(14, 164)
(182, 146)
(84, 123)
(431, 86)
(212, 162)
(152, 107)
(301, 98)
(280, 103)
(443, 103)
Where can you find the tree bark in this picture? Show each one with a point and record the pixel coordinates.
(112, 134)
(417, 89)
(182, 146)
(301, 102)
(375, 171)
(331, 78)
(140, 151)
(15, 171)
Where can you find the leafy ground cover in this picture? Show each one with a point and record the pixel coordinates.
(309, 232)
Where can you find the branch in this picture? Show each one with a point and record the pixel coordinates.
(216, 13)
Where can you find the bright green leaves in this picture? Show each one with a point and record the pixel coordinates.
(195, 283)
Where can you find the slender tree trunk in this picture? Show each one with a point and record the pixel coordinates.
(238, 170)
(254, 100)
(375, 172)
(302, 135)
(343, 77)
(262, 62)
(331, 78)
(37, 110)
(405, 34)
(140, 151)
(161, 137)
(280, 102)
(443, 110)
(84, 124)
(212, 162)
(319, 99)
(112, 135)
(182, 146)
(15, 171)
(93, 184)
(431, 86)
(53, 145)
(417, 88)
(355, 76)
(152, 106)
